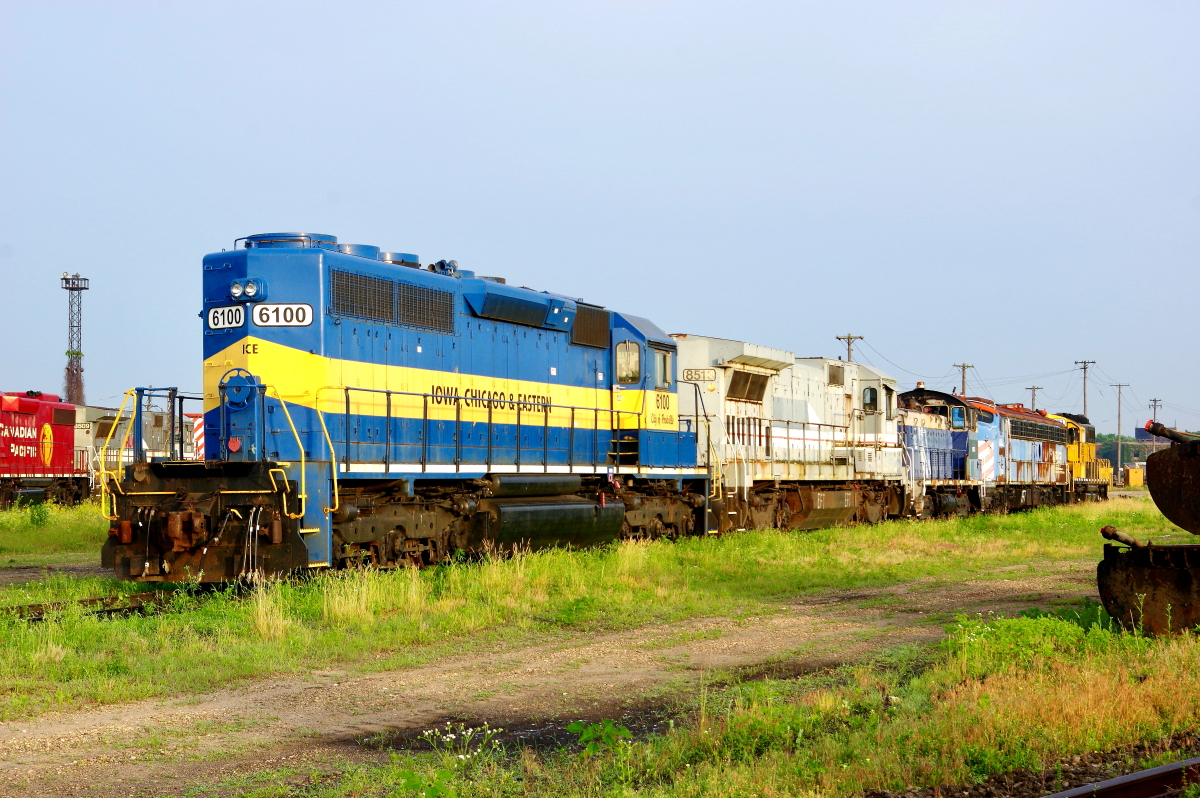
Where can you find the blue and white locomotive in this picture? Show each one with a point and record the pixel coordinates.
(361, 409)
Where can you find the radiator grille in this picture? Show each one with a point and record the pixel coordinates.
(591, 327)
(1032, 430)
(380, 299)
(363, 297)
(425, 307)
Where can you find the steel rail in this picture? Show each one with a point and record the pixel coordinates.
(1159, 782)
(116, 604)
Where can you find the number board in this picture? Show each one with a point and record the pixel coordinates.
(289, 315)
(699, 375)
(226, 317)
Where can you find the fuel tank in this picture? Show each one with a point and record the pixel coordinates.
(540, 522)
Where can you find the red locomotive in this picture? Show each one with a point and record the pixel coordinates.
(38, 457)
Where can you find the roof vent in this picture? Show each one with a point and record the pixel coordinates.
(360, 250)
(401, 259)
(288, 240)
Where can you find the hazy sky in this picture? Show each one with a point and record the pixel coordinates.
(1011, 185)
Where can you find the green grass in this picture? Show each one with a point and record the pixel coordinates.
(374, 620)
(998, 695)
(49, 533)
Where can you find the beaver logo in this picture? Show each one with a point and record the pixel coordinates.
(47, 444)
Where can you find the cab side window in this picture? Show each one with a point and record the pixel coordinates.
(664, 369)
(870, 399)
(958, 418)
(629, 363)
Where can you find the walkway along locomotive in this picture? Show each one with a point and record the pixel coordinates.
(361, 409)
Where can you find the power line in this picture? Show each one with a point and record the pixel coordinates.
(1084, 364)
(964, 367)
(867, 344)
(984, 383)
(1119, 386)
(1154, 405)
(849, 339)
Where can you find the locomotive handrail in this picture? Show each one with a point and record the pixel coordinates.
(520, 405)
(329, 441)
(105, 493)
(299, 445)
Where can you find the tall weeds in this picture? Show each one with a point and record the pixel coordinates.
(28, 534)
(1001, 694)
(268, 614)
(205, 641)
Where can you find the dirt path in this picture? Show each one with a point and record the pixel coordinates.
(19, 574)
(153, 748)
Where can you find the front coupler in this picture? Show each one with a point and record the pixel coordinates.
(204, 521)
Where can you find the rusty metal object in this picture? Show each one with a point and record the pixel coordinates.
(1159, 782)
(1151, 589)
(1163, 431)
(1112, 533)
(1173, 476)
(1156, 589)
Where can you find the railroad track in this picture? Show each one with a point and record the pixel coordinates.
(117, 604)
(1160, 782)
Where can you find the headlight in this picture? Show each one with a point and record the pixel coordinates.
(235, 290)
(251, 289)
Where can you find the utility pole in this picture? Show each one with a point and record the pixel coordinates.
(1084, 364)
(1119, 386)
(849, 339)
(1033, 389)
(73, 377)
(1154, 405)
(964, 367)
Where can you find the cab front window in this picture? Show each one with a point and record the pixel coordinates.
(629, 363)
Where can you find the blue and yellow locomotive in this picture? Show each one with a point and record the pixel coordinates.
(359, 408)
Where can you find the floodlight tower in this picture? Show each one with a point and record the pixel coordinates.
(73, 377)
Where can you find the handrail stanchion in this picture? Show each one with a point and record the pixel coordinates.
(105, 473)
(457, 434)
(489, 434)
(346, 431)
(545, 436)
(571, 444)
(424, 432)
(300, 446)
(519, 436)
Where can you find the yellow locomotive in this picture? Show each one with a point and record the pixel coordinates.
(1090, 475)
